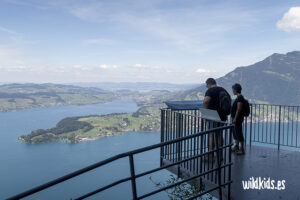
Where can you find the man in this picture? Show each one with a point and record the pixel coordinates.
(216, 98)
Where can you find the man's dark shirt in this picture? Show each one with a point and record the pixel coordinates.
(214, 103)
(241, 99)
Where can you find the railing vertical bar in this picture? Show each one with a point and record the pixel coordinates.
(205, 145)
(283, 125)
(162, 136)
(132, 172)
(297, 128)
(245, 125)
(229, 167)
(251, 123)
(217, 147)
(173, 136)
(288, 126)
(212, 163)
(275, 125)
(293, 113)
(225, 153)
(263, 122)
(255, 124)
(201, 147)
(198, 143)
(279, 122)
(190, 142)
(267, 123)
(178, 127)
(185, 134)
(195, 130)
(169, 133)
(259, 114)
(271, 122)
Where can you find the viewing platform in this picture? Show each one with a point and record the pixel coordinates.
(272, 151)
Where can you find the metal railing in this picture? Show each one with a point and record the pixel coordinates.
(188, 137)
(187, 123)
(273, 124)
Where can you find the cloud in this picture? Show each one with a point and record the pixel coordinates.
(80, 67)
(146, 67)
(200, 70)
(8, 30)
(18, 69)
(183, 27)
(20, 40)
(290, 21)
(9, 55)
(104, 66)
(99, 41)
(138, 65)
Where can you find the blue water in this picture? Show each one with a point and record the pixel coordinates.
(23, 166)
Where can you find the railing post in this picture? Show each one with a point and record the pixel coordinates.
(229, 167)
(162, 134)
(133, 183)
(251, 125)
(217, 147)
(279, 121)
(178, 135)
(246, 130)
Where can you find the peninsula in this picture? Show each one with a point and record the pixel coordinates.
(77, 129)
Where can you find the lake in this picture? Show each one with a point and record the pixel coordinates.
(24, 166)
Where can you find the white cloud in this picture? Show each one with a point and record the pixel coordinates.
(80, 67)
(20, 68)
(138, 65)
(3, 29)
(290, 21)
(148, 67)
(104, 66)
(184, 27)
(200, 70)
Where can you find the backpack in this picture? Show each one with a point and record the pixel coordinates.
(224, 102)
(246, 108)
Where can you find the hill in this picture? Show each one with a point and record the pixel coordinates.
(30, 95)
(137, 86)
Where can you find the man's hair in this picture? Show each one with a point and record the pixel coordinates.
(237, 87)
(211, 81)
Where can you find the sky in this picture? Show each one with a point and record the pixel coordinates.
(65, 41)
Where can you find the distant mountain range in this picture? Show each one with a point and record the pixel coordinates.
(137, 86)
(276, 80)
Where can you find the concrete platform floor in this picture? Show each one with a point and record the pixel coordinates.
(265, 162)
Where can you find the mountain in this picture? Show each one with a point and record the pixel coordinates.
(137, 86)
(276, 80)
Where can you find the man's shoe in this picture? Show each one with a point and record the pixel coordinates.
(235, 148)
(240, 152)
